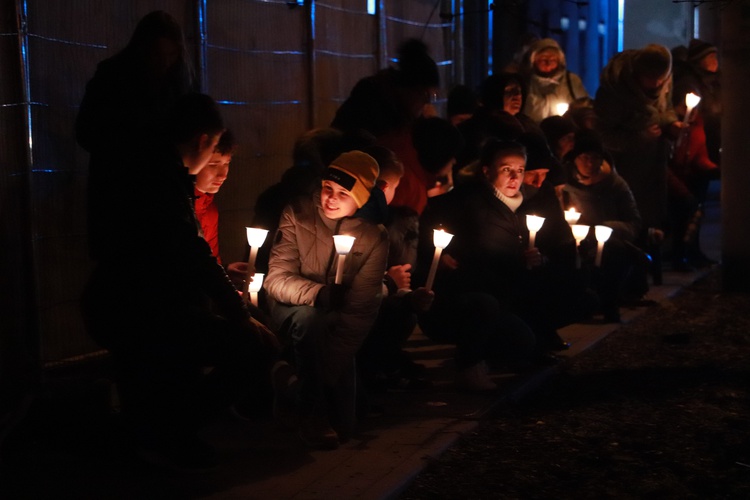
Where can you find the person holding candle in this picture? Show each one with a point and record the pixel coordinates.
(157, 320)
(693, 165)
(637, 123)
(325, 323)
(548, 81)
(488, 288)
(604, 198)
(382, 362)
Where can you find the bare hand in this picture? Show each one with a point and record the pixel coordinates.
(676, 127)
(448, 262)
(421, 299)
(237, 272)
(533, 257)
(401, 275)
(653, 131)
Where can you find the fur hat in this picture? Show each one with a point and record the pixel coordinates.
(653, 60)
(356, 172)
(698, 49)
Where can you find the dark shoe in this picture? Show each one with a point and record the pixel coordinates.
(612, 316)
(183, 454)
(285, 391)
(317, 433)
(682, 266)
(701, 261)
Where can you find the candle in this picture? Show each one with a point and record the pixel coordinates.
(571, 216)
(602, 234)
(691, 101)
(441, 239)
(580, 231)
(534, 224)
(343, 246)
(562, 108)
(254, 287)
(255, 238)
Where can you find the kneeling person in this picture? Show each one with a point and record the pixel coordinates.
(326, 322)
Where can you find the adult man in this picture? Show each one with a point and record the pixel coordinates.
(149, 299)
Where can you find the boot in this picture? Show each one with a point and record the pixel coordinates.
(476, 378)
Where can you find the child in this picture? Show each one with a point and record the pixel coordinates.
(327, 322)
(207, 183)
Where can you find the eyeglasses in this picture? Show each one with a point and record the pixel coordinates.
(512, 92)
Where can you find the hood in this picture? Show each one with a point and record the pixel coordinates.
(539, 46)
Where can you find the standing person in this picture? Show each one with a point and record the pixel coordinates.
(389, 101)
(704, 59)
(161, 330)
(636, 121)
(129, 93)
(326, 322)
(548, 80)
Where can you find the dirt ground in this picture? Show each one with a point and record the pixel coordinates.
(659, 409)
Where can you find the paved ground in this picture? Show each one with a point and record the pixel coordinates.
(68, 452)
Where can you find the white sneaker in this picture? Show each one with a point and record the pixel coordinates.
(476, 378)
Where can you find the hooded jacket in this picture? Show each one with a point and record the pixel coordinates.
(545, 93)
(624, 111)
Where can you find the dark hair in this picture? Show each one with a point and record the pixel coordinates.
(492, 90)
(387, 161)
(437, 141)
(462, 100)
(494, 148)
(152, 27)
(227, 143)
(191, 115)
(416, 67)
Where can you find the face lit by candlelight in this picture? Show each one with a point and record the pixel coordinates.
(535, 177)
(336, 201)
(506, 173)
(213, 175)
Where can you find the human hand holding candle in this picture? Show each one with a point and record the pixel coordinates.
(534, 224)
(602, 234)
(441, 239)
(254, 287)
(343, 244)
(580, 231)
(572, 216)
(255, 238)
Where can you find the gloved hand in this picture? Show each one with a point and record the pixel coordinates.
(331, 297)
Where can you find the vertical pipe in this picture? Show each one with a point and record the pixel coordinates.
(32, 311)
(202, 33)
(312, 105)
(23, 44)
(735, 176)
(457, 46)
(382, 43)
